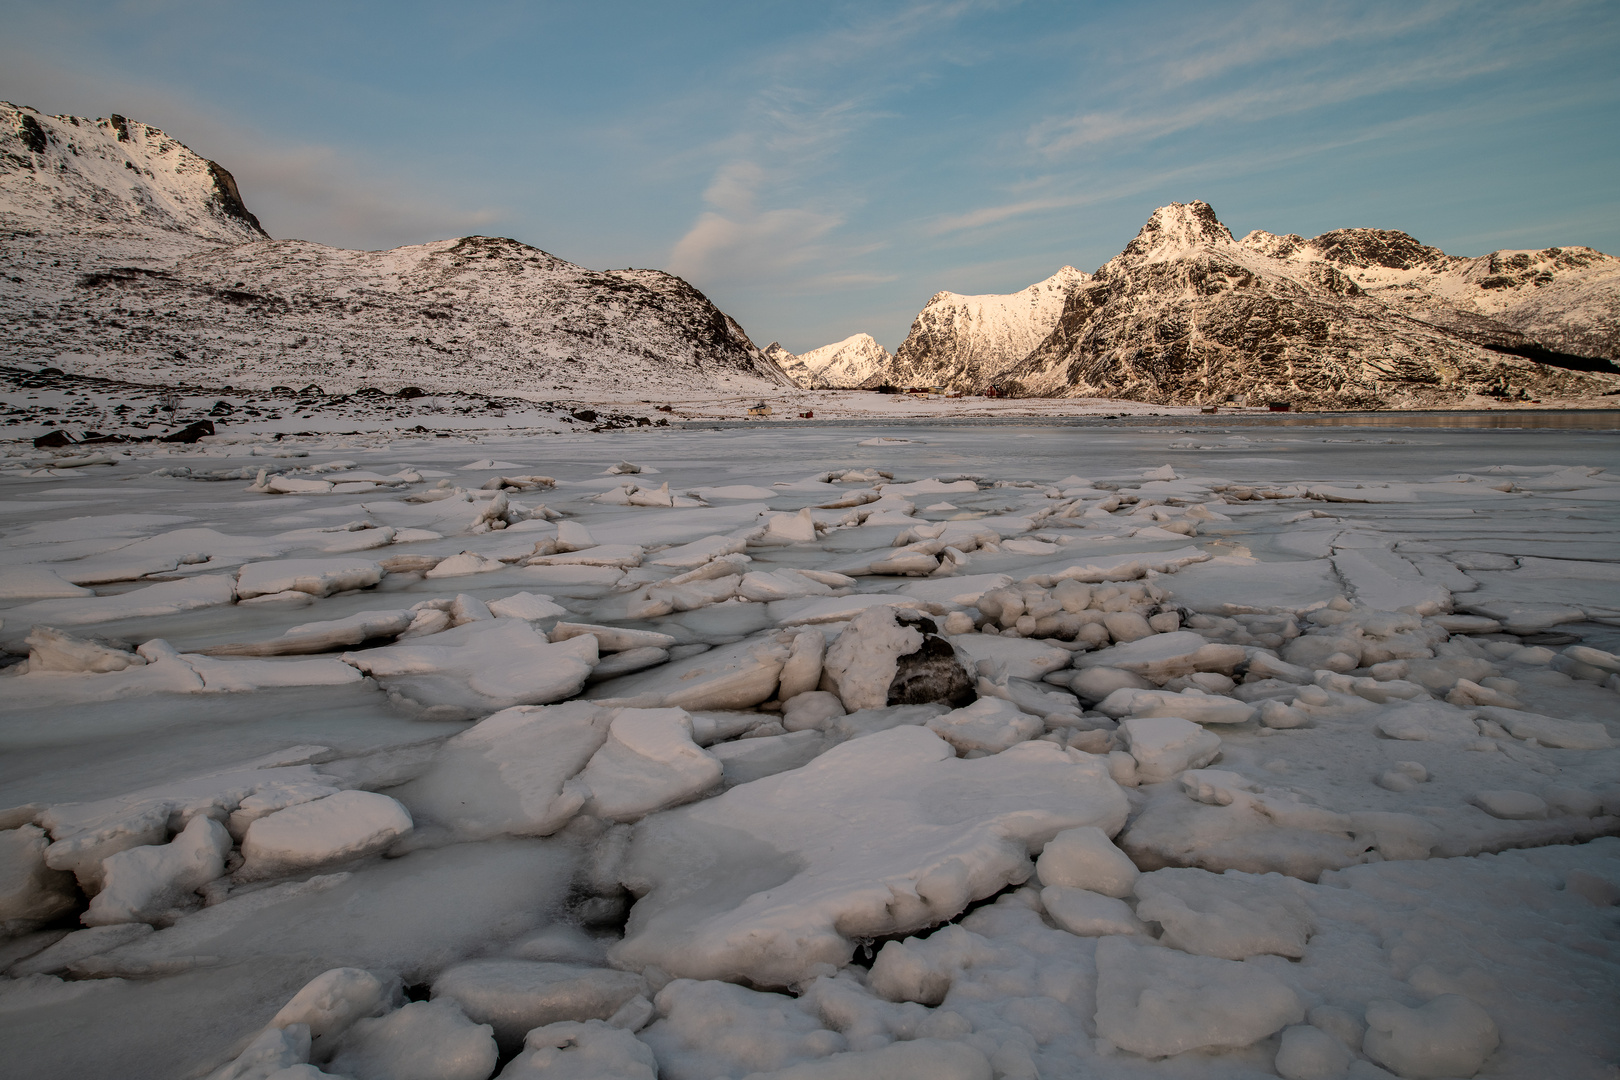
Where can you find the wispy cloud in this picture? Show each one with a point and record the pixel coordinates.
(771, 210)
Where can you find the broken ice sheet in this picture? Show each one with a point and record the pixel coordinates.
(884, 834)
(1312, 781)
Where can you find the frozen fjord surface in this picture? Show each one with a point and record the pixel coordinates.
(1354, 769)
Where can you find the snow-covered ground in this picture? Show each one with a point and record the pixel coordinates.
(852, 750)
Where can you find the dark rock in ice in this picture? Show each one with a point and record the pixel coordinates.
(191, 432)
(931, 674)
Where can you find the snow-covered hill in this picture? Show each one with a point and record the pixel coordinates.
(132, 257)
(1353, 318)
(960, 341)
(842, 365)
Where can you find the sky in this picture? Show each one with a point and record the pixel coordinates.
(820, 169)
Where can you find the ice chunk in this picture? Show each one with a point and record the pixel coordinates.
(330, 1003)
(811, 710)
(526, 605)
(648, 762)
(424, 1040)
(776, 876)
(317, 637)
(1166, 745)
(698, 552)
(273, 796)
(810, 610)
(990, 725)
(1231, 915)
(956, 590)
(863, 662)
(275, 1051)
(1309, 1053)
(708, 1029)
(1089, 914)
(614, 555)
(1511, 805)
(238, 676)
(468, 562)
(479, 668)
(802, 672)
(736, 676)
(763, 586)
(1428, 721)
(348, 825)
(1448, 1037)
(146, 884)
(612, 638)
(746, 760)
(593, 1050)
(1200, 708)
(1094, 684)
(628, 662)
(57, 650)
(318, 577)
(1163, 657)
(1085, 858)
(509, 773)
(1157, 1002)
(1550, 730)
(516, 996)
(31, 893)
(77, 946)
(1018, 658)
(151, 601)
(31, 581)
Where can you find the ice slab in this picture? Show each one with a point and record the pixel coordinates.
(882, 835)
(162, 598)
(318, 577)
(736, 676)
(648, 762)
(509, 772)
(1017, 658)
(479, 668)
(1157, 1002)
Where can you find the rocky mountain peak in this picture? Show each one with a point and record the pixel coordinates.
(113, 176)
(841, 365)
(1389, 248)
(1174, 229)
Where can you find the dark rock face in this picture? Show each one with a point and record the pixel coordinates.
(230, 199)
(1355, 318)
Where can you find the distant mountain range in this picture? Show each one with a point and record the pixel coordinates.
(127, 255)
(841, 365)
(1355, 318)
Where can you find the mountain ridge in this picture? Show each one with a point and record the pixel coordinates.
(1354, 318)
(132, 256)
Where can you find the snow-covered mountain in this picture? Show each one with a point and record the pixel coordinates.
(1352, 318)
(960, 341)
(840, 366)
(130, 256)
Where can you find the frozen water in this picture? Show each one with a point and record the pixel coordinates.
(679, 714)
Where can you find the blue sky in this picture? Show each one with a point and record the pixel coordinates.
(820, 169)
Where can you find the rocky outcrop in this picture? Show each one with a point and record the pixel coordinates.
(960, 342)
(1355, 318)
(840, 366)
(131, 257)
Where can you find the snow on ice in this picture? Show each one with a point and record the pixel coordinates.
(1134, 758)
